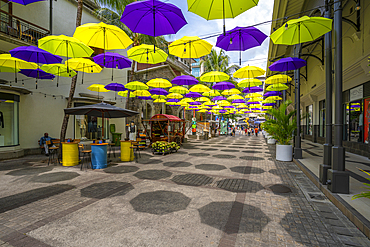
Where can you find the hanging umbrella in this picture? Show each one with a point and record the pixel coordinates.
(124, 94)
(214, 76)
(178, 89)
(115, 87)
(190, 47)
(219, 98)
(175, 96)
(159, 83)
(238, 101)
(192, 95)
(173, 100)
(235, 96)
(37, 73)
(144, 97)
(59, 70)
(35, 55)
(269, 104)
(253, 95)
(222, 9)
(203, 99)
(158, 91)
(6, 60)
(142, 93)
(183, 80)
(217, 108)
(146, 54)
(159, 101)
(8, 69)
(101, 35)
(153, 18)
(275, 79)
(252, 90)
(251, 82)
(212, 93)
(252, 102)
(113, 61)
(136, 85)
(231, 91)
(200, 89)
(186, 100)
(240, 39)
(225, 85)
(249, 72)
(25, 2)
(301, 30)
(155, 96)
(277, 87)
(223, 103)
(288, 63)
(254, 99)
(272, 93)
(98, 88)
(195, 103)
(273, 98)
(84, 65)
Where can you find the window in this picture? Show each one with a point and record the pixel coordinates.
(195, 72)
(322, 118)
(309, 119)
(356, 120)
(196, 63)
(9, 120)
(90, 127)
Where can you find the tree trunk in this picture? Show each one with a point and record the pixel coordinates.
(74, 79)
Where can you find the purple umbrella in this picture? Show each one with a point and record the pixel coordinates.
(252, 90)
(158, 91)
(144, 97)
(193, 107)
(37, 73)
(173, 100)
(255, 109)
(192, 95)
(153, 18)
(229, 106)
(219, 98)
(288, 63)
(269, 104)
(195, 103)
(252, 103)
(225, 85)
(222, 111)
(112, 60)
(35, 55)
(115, 87)
(237, 101)
(272, 93)
(25, 2)
(185, 80)
(240, 39)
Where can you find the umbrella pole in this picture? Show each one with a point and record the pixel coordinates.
(223, 12)
(240, 48)
(83, 72)
(58, 77)
(102, 132)
(154, 25)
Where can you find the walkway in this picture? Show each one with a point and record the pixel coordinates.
(227, 191)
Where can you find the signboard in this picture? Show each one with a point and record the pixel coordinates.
(367, 120)
(356, 93)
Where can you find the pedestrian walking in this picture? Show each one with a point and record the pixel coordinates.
(246, 131)
(256, 131)
(234, 131)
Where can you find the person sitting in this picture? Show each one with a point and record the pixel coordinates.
(43, 143)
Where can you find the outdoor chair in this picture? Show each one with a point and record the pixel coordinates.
(86, 154)
(53, 154)
(136, 149)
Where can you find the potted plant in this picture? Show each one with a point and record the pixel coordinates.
(280, 126)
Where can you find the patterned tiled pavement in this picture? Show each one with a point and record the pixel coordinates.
(228, 191)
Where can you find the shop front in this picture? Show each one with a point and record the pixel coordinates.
(9, 120)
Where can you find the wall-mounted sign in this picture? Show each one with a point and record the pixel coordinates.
(356, 93)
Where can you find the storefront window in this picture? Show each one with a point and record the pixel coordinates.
(346, 122)
(356, 120)
(9, 119)
(322, 118)
(90, 127)
(309, 119)
(367, 120)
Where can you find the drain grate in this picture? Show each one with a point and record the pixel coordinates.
(192, 179)
(316, 196)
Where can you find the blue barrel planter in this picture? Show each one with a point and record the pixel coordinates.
(99, 156)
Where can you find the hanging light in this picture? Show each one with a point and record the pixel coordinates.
(286, 26)
(358, 6)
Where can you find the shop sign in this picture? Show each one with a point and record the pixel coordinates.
(367, 120)
(356, 93)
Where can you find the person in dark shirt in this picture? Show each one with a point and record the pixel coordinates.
(43, 141)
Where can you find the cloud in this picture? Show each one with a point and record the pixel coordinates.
(197, 26)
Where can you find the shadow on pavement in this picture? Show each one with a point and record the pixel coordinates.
(160, 202)
(121, 169)
(105, 189)
(224, 156)
(30, 171)
(210, 167)
(177, 164)
(247, 170)
(54, 177)
(192, 179)
(153, 174)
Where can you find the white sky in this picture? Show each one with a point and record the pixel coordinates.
(197, 26)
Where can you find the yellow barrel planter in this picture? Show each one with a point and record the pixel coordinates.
(127, 153)
(70, 155)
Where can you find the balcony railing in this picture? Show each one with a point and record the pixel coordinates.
(21, 29)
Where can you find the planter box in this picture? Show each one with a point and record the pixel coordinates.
(270, 140)
(284, 152)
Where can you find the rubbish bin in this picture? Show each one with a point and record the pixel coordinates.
(127, 153)
(206, 135)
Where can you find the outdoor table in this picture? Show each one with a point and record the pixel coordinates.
(70, 155)
(99, 155)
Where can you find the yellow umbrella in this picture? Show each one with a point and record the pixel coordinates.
(175, 96)
(277, 87)
(251, 82)
(203, 99)
(249, 72)
(98, 88)
(234, 97)
(186, 100)
(223, 103)
(209, 103)
(136, 85)
(214, 76)
(84, 65)
(6, 60)
(217, 107)
(145, 54)
(104, 36)
(184, 104)
(159, 97)
(231, 91)
(274, 98)
(266, 107)
(190, 47)
(159, 83)
(179, 89)
(203, 110)
(199, 88)
(254, 99)
(214, 111)
(59, 70)
(212, 93)
(241, 106)
(124, 94)
(142, 93)
(268, 101)
(275, 79)
(159, 101)
(253, 95)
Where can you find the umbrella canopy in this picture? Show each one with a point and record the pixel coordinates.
(195, 103)
(146, 54)
(225, 85)
(231, 91)
(277, 87)
(200, 89)
(288, 63)
(212, 93)
(37, 73)
(64, 46)
(159, 83)
(275, 79)
(252, 90)
(158, 91)
(214, 76)
(217, 107)
(175, 96)
(115, 87)
(34, 54)
(97, 88)
(186, 100)
(273, 98)
(190, 47)
(8, 69)
(136, 85)
(101, 35)
(272, 93)
(153, 18)
(269, 104)
(255, 99)
(203, 99)
(183, 80)
(235, 96)
(142, 93)
(83, 64)
(58, 69)
(192, 95)
(253, 95)
(178, 89)
(249, 72)
(124, 94)
(25, 2)
(112, 60)
(219, 98)
(100, 110)
(251, 82)
(159, 101)
(223, 103)
(6, 60)
(173, 100)
(144, 97)
(301, 30)
(238, 101)
(158, 97)
(209, 104)
(252, 102)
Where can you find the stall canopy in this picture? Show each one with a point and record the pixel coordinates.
(164, 117)
(100, 110)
